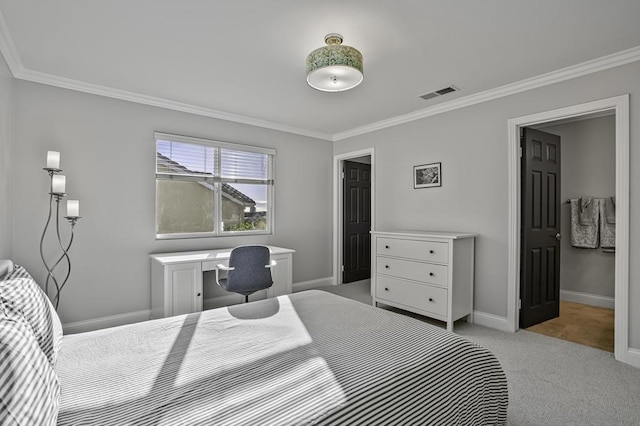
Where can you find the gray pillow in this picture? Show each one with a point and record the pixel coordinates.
(29, 390)
(20, 289)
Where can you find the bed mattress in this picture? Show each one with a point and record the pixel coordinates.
(306, 358)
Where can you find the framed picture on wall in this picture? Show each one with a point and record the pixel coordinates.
(427, 175)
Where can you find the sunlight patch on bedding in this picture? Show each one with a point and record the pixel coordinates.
(222, 342)
(293, 393)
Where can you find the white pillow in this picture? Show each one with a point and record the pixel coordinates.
(6, 266)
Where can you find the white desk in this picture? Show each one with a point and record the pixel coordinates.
(176, 278)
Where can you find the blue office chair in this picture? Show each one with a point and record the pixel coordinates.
(249, 270)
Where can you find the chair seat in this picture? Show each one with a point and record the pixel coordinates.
(245, 291)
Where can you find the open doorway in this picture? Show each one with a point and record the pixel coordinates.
(620, 107)
(576, 229)
(351, 252)
(539, 226)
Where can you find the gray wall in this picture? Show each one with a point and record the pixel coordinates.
(588, 168)
(471, 143)
(108, 155)
(6, 100)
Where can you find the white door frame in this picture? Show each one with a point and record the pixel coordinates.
(338, 160)
(619, 105)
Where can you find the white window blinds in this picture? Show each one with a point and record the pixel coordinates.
(211, 160)
(244, 165)
(177, 158)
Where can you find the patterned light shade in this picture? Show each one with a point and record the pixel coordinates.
(334, 67)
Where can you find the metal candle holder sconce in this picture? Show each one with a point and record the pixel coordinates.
(57, 193)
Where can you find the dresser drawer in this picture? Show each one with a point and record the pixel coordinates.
(413, 249)
(410, 270)
(420, 296)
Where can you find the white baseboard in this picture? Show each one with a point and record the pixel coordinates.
(633, 357)
(588, 299)
(308, 285)
(105, 322)
(491, 321)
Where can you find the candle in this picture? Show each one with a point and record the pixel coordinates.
(58, 182)
(53, 160)
(73, 208)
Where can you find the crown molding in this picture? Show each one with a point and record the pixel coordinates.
(109, 92)
(600, 64)
(10, 53)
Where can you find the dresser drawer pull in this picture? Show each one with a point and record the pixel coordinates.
(431, 274)
(386, 266)
(431, 251)
(431, 299)
(386, 289)
(386, 246)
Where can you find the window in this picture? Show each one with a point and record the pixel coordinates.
(208, 188)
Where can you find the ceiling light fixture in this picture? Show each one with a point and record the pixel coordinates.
(334, 67)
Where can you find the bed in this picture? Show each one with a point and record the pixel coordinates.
(307, 358)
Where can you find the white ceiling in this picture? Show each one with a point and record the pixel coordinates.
(245, 60)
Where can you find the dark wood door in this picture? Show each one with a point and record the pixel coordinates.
(540, 227)
(357, 222)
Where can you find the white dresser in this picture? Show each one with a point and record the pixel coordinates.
(429, 273)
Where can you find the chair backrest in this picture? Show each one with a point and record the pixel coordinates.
(249, 273)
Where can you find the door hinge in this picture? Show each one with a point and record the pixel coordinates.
(519, 303)
(520, 151)
(342, 174)
(342, 268)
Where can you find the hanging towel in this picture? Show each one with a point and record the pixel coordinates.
(610, 209)
(588, 210)
(607, 229)
(583, 236)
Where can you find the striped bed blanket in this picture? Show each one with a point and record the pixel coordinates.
(310, 358)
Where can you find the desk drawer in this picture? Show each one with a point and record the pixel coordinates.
(212, 265)
(408, 269)
(420, 296)
(413, 249)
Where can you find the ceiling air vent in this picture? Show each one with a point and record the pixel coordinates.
(439, 92)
